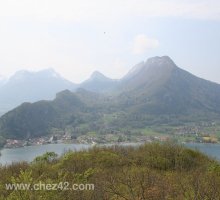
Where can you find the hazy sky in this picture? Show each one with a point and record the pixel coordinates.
(76, 37)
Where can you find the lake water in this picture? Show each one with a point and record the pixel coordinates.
(212, 150)
(29, 153)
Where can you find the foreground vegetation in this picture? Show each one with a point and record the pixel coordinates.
(152, 171)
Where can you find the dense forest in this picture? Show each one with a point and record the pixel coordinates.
(151, 171)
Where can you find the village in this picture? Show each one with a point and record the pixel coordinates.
(184, 134)
(84, 139)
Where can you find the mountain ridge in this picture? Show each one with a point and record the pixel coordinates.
(158, 92)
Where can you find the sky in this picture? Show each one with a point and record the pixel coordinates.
(77, 37)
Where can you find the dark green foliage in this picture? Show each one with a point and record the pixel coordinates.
(46, 158)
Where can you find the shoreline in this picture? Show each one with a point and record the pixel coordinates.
(98, 144)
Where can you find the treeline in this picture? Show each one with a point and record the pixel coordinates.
(153, 172)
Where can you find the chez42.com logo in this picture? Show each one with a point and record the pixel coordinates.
(49, 186)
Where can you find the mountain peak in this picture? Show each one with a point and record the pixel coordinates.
(154, 63)
(97, 75)
(98, 83)
(158, 61)
(24, 74)
(155, 71)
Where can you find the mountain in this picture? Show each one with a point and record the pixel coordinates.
(99, 83)
(25, 86)
(154, 92)
(147, 75)
(35, 119)
(163, 88)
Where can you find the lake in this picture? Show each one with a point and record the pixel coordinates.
(212, 150)
(30, 152)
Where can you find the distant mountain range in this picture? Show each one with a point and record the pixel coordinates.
(153, 92)
(25, 86)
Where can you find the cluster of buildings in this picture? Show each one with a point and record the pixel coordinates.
(12, 143)
(190, 134)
